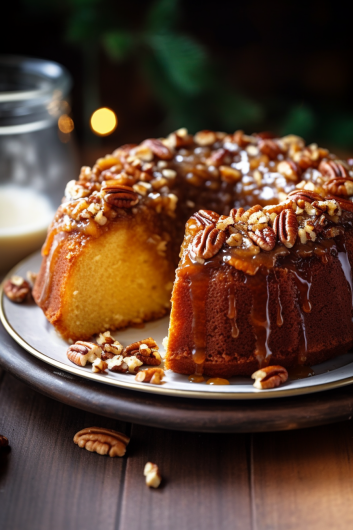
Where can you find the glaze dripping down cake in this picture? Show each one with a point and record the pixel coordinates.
(265, 268)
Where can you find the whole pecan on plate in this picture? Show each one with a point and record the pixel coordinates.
(269, 377)
(17, 289)
(118, 195)
(102, 441)
(208, 242)
(158, 148)
(285, 227)
(151, 375)
(265, 238)
(333, 169)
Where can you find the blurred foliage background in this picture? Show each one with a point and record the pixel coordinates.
(164, 64)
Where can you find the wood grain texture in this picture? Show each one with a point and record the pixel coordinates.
(205, 482)
(303, 479)
(47, 481)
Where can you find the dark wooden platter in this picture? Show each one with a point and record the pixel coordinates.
(171, 412)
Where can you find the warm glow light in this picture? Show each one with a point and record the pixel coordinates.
(103, 121)
(65, 124)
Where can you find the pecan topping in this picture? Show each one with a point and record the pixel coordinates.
(344, 203)
(302, 196)
(102, 441)
(153, 477)
(286, 227)
(118, 195)
(333, 169)
(151, 375)
(208, 242)
(269, 377)
(290, 170)
(145, 350)
(158, 148)
(206, 217)
(241, 139)
(265, 239)
(82, 352)
(270, 148)
(3, 442)
(340, 186)
(205, 138)
(17, 289)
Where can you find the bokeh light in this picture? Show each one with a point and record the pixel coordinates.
(65, 124)
(103, 121)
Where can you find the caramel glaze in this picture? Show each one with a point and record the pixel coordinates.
(259, 269)
(219, 381)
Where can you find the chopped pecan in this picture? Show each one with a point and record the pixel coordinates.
(17, 289)
(146, 351)
(290, 170)
(151, 375)
(265, 239)
(206, 217)
(285, 227)
(99, 366)
(102, 441)
(340, 186)
(269, 377)
(82, 352)
(241, 139)
(345, 204)
(117, 364)
(208, 242)
(153, 477)
(158, 148)
(333, 169)
(229, 174)
(118, 195)
(270, 148)
(217, 157)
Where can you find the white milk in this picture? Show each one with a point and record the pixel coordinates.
(24, 218)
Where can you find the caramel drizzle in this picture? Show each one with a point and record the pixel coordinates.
(260, 315)
(54, 242)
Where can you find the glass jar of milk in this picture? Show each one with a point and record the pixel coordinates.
(37, 155)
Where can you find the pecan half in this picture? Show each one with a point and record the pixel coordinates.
(270, 148)
(304, 195)
(151, 375)
(102, 441)
(82, 352)
(118, 195)
(269, 377)
(285, 227)
(340, 186)
(205, 137)
(208, 242)
(17, 289)
(265, 239)
(153, 477)
(206, 217)
(145, 350)
(332, 169)
(158, 148)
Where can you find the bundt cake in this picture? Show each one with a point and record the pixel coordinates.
(265, 268)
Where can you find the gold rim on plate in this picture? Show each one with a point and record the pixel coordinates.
(154, 389)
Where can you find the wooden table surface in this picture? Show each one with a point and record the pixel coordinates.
(287, 480)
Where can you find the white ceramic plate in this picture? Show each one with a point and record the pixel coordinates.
(28, 326)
